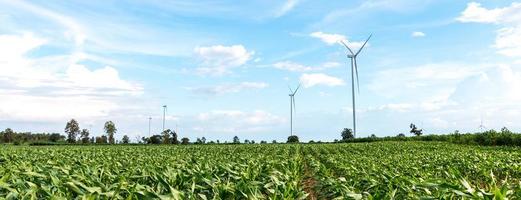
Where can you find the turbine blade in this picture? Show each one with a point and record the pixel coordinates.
(347, 47)
(357, 80)
(294, 106)
(290, 89)
(296, 89)
(363, 45)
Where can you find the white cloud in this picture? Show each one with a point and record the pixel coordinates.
(228, 88)
(291, 66)
(508, 38)
(219, 59)
(329, 39)
(32, 89)
(236, 121)
(456, 93)
(296, 67)
(310, 80)
(330, 64)
(438, 78)
(417, 34)
(74, 30)
(286, 7)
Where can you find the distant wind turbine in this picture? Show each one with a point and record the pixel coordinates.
(292, 107)
(164, 114)
(481, 126)
(354, 70)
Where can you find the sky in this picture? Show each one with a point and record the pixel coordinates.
(223, 67)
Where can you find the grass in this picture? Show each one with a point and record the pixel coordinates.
(400, 170)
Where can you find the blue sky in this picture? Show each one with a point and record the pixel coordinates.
(224, 68)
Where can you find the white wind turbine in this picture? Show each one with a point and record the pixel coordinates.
(292, 107)
(354, 70)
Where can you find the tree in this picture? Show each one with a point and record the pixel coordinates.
(373, 136)
(125, 139)
(8, 135)
(166, 136)
(274, 141)
(92, 140)
(293, 139)
(173, 138)
(155, 139)
(347, 134)
(415, 130)
(84, 135)
(104, 139)
(263, 142)
(72, 129)
(55, 137)
(203, 140)
(185, 140)
(236, 140)
(110, 129)
(401, 135)
(246, 141)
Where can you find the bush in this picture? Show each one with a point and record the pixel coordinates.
(293, 139)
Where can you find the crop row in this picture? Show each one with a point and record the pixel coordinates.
(413, 170)
(380, 170)
(195, 172)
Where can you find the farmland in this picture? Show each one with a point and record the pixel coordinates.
(402, 170)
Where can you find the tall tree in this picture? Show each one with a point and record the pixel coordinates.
(110, 129)
(72, 129)
(347, 134)
(84, 135)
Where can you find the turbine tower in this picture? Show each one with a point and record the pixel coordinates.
(164, 114)
(292, 107)
(354, 70)
(149, 122)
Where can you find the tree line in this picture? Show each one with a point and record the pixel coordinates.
(10, 136)
(503, 137)
(75, 135)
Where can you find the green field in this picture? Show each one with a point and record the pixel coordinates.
(381, 170)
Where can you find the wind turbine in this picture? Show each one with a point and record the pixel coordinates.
(481, 126)
(354, 70)
(292, 107)
(164, 114)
